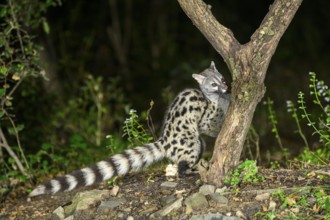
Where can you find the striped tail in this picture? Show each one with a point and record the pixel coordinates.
(117, 165)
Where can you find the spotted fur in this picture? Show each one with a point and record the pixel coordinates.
(192, 113)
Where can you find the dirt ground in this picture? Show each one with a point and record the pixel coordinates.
(142, 195)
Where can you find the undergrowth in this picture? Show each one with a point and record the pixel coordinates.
(315, 115)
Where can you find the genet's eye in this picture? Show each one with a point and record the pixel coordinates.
(214, 85)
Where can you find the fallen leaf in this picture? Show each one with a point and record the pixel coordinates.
(291, 201)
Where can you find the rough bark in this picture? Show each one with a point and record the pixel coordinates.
(248, 65)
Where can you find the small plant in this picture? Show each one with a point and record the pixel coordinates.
(275, 165)
(273, 120)
(323, 202)
(321, 97)
(293, 110)
(318, 120)
(292, 204)
(247, 172)
(134, 131)
(270, 215)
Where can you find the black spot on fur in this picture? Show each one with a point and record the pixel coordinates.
(182, 141)
(182, 101)
(185, 93)
(175, 102)
(193, 98)
(174, 151)
(184, 111)
(167, 146)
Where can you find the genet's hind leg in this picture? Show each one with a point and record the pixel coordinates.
(189, 157)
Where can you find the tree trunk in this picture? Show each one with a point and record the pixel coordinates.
(248, 65)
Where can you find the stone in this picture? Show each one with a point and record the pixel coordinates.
(168, 209)
(71, 217)
(272, 206)
(167, 199)
(214, 216)
(58, 214)
(262, 197)
(196, 201)
(218, 198)
(240, 214)
(83, 200)
(115, 190)
(111, 203)
(168, 184)
(207, 189)
(221, 190)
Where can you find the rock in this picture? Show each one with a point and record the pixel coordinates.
(262, 197)
(71, 217)
(195, 202)
(58, 214)
(83, 200)
(221, 190)
(240, 214)
(295, 210)
(272, 206)
(167, 200)
(167, 209)
(311, 200)
(216, 216)
(111, 203)
(130, 218)
(207, 189)
(148, 210)
(168, 184)
(115, 190)
(218, 198)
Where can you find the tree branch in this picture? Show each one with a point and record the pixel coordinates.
(265, 39)
(221, 38)
(4, 144)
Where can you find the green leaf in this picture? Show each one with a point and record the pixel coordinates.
(2, 92)
(3, 70)
(3, 12)
(327, 204)
(46, 27)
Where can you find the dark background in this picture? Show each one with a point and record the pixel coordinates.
(148, 50)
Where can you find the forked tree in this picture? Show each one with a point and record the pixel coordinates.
(248, 64)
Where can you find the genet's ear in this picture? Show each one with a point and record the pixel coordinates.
(212, 66)
(199, 78)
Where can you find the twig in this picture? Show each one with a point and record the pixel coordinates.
(322, 172)
(18, 140)
(5, 145)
